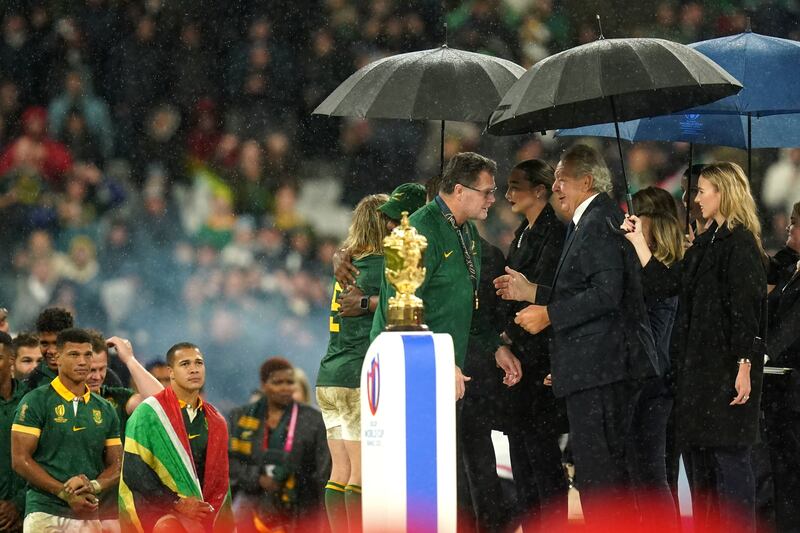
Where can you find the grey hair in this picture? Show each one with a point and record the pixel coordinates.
(587, 160)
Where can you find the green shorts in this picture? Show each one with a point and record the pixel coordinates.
(341, 411)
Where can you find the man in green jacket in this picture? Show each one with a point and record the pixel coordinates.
(453, 257)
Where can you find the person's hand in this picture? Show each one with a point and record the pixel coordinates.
(83, 504)
(632, 225)
(343, 269)
(123, 347)
(461, 383)
(548, 380)
(79, 484)
(689, 238)
(10, 518)
(350, 302)
(514, 285)
(742, 385)
(508, 362)
(268, 483)
(193, 508)
(533, 319)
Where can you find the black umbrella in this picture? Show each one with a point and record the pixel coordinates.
(610, 80)
(438, 84)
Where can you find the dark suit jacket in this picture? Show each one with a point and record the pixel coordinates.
(601, 333)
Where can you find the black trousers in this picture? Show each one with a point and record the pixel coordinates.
(539, 479)
(480, 494)
(783, 440)
(646, 452)
(599, 421)
(723, 488)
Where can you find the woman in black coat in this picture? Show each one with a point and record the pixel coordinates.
(537, 418)
(717, 343)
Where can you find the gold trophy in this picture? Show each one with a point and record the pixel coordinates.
(403, 255)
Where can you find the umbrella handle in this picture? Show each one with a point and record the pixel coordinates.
(613, 227)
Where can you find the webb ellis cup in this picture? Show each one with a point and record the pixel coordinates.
(403, 251)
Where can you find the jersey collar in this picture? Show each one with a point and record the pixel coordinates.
(65, 393)
(183, 404)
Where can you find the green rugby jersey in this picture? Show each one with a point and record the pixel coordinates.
(197, 431)
(349, 336)
(73, 432)
(12, 487)
(118, 398)
(447, 292)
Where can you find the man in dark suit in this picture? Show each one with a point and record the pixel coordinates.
(600, 332)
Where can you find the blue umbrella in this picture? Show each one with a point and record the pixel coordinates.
(769, 101)
(772, 131)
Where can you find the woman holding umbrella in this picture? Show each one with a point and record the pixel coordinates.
(717, 342)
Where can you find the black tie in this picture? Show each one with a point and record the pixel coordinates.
(570, 230)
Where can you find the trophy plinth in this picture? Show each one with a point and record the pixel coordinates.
(404, 271)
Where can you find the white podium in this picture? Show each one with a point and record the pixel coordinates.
(408, 434)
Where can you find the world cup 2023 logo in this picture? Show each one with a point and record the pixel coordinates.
(374, 384)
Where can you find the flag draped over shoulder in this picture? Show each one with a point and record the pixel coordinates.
(157, 466)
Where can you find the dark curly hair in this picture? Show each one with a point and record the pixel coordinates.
(53, 320)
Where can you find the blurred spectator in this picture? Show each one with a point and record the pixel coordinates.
(192, 68)
(205, 134)
(217, 231)
(80, 264)
(782, 188)
(155, 150)
(285, 211)
(81, 143)
(137, 79)
(18, 54)
(77, 99)
(251, 192)
(690, 27)
(259, 80)
(34, 151)
(10, 111)
(280, 160)
(327, 67)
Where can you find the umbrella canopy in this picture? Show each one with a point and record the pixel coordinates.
(764, 65)
(438, 84)
(772, 131)
(770, 87)
(764, 114)
(610, 80)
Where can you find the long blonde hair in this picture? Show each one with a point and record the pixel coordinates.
(367, 228)
(736, 202)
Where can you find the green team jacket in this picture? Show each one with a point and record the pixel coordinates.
(447, 291)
